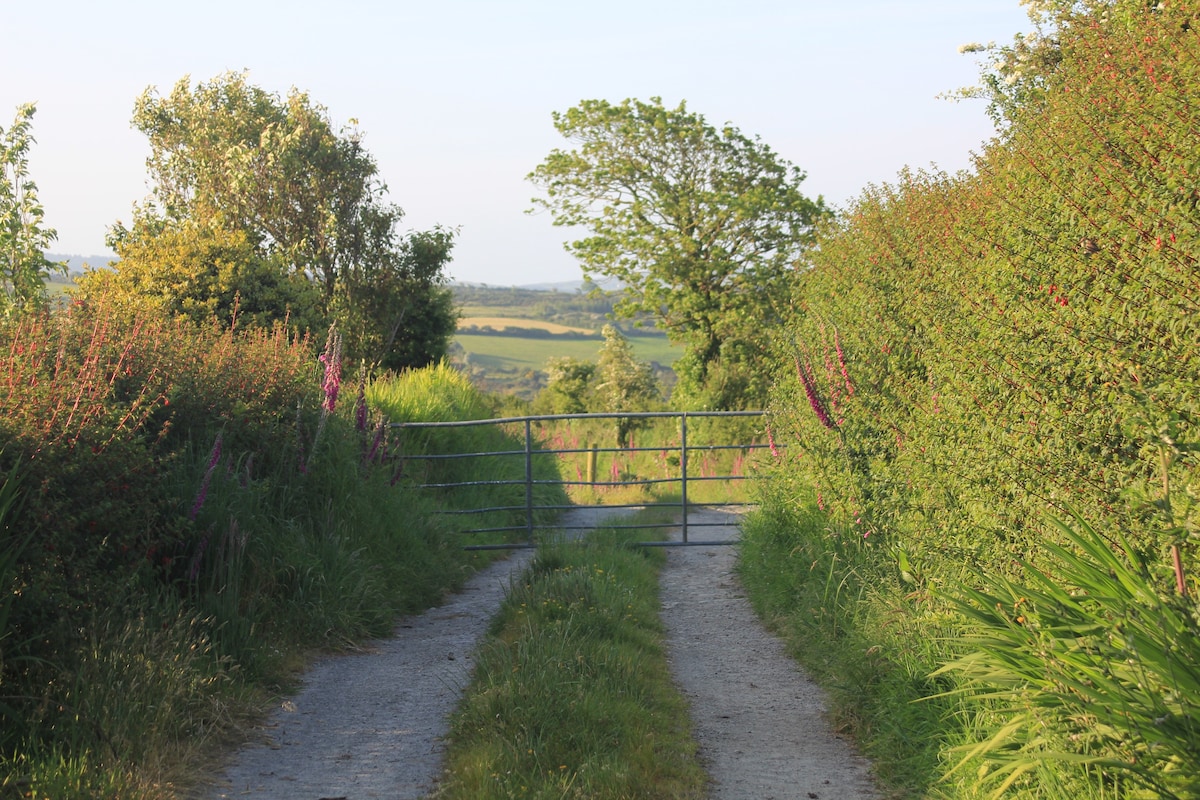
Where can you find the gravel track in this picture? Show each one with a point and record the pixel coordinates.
(371, 725)
(760, 723)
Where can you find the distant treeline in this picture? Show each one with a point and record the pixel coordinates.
(537, 301)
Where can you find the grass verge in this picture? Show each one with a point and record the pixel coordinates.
(868, 644)
(572, 696)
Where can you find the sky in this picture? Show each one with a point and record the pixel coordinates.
(454, 97)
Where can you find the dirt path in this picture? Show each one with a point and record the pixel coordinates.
(371, 725)
(759, 722)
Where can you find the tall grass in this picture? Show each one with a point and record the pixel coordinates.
(571, 695)
(1091, 662)
(1077, 678)
(494, 478)
(201, 514)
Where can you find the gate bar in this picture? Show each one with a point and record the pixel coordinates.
(529, 451)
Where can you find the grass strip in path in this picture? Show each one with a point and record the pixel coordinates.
(572, 696)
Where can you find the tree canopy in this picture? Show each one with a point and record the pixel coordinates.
(23, 237)
(703, 225)
(258, 197)
(233, 153)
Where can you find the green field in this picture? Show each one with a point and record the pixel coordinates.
(500, 323)
(509, 353)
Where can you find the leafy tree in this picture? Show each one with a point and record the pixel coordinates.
(1020, 73)
(202, 273)
(704, 226)
(403, 292)
(23, 239)
(568, 386)
(623, 383)
(273, 167)
(231, 160)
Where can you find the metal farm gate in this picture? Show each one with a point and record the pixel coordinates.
(533, 450)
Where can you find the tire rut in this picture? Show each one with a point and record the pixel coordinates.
(372, 725)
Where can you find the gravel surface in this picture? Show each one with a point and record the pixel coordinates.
(371, 725)
(759, 722)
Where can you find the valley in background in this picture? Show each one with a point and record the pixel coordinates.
(506, 335)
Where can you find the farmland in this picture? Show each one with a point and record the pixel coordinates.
(506, 336)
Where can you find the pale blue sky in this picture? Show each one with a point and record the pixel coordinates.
(455, 96)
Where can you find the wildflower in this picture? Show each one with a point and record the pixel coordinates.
(360, 405)
(213, 458)
(399, 468)
(834, 405)
(332, 359)
(841, 357)
(810, 390)
(380, 430)
(771, 442)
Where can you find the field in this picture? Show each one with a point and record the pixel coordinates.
(507, 323)
(529, 327)
(521, 353)
(516, 365)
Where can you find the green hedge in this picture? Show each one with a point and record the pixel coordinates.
(976, 355)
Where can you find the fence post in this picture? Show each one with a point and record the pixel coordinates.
(683, 470)
(529, 478)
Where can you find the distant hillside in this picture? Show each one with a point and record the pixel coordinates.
(75, 263)
(549, 286)
(507, 335)
(559, 286)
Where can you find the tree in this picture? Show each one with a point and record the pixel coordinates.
(568, 386)
(404, 291)
(235, 153)
(1019, 74)
(203, 273)
(623, 383)
(703, 226)
(231, 159)
(23, 239)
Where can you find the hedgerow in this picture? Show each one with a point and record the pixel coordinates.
(974, 356)
(185, 512)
